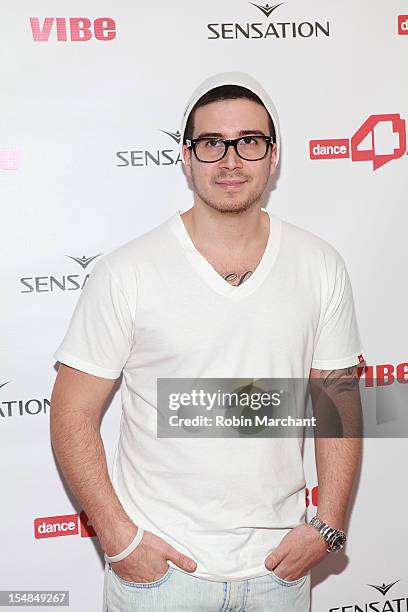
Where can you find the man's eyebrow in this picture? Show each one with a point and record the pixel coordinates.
(240, 133)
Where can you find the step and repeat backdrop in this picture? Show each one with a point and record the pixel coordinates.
(92, 95)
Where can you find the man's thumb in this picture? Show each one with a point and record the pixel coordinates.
(273, 559)
(182, 561)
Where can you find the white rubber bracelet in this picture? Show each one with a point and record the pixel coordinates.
(127, 550)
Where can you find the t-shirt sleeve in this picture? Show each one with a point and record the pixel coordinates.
(100, 334)
(338, 343)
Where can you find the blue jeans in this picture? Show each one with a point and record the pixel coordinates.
(178, 591)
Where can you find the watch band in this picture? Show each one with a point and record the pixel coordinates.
(335, 538)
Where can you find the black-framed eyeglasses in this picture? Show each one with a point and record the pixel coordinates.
(250, 148)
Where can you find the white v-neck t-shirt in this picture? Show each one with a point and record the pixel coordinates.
(156, 308)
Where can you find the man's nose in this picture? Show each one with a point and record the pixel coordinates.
(231, 159)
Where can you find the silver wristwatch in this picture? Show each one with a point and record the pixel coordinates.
(335, 538)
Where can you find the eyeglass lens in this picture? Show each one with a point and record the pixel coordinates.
(249, 147)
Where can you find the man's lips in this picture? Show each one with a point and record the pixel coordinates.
(230, 184)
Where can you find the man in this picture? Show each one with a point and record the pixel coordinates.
(224, 290)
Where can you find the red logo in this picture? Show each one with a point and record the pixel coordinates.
(329, 149)
(87, 531)
(366, 135)
(380, 139)
(360, 358)
(312, 496)
(402, 25)
(10, 158)
(75, 29)
(66, 524)
(56, 526)
(384, 374)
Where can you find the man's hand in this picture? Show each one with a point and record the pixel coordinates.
(148, 562)
(300, 549)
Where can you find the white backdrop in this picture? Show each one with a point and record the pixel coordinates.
(77, 98)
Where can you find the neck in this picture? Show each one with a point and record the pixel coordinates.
(218, 231)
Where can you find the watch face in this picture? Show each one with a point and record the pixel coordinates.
(338, 541)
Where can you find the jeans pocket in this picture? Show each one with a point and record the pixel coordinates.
(287, 583)
(144, 585)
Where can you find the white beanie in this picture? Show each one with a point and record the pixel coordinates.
(232, 78)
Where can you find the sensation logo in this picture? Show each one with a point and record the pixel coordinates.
(379, 140)
(74, 29)
(152, 157)
(22, 407)
(64, 282)
(267, 10)
(383, 588)
(398, 604)
(174, 135)
(84, 261)
(274, 30)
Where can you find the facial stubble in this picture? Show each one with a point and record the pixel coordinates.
(228, 204)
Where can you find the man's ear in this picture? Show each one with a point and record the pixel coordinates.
(187, 159)
(273, 160)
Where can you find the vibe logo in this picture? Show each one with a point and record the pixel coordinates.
(10, 158)
(380, 139)
(384, 374)
(73, 29)
(312, 496)
(403, 25)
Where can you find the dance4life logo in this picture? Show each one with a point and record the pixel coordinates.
(379, 140)
(383, 604)
(63, 282)
(268, 29)
(403, 25)
(73, 29)
(152, 157)
(63, 525)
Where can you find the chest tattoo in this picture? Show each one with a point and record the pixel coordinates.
(236, 278)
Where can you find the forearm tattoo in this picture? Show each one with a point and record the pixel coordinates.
(337, 403)
(344, 379)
